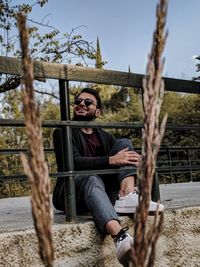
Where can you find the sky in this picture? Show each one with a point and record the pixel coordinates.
(125, 29)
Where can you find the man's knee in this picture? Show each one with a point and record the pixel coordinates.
(121, 144)
(124, 142)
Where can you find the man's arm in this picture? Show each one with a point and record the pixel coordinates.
(123, 157)
(89, 163)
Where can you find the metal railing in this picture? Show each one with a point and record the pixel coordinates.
(167, 162)
(66, 73)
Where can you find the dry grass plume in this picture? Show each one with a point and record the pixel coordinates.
(34, 165)
(144, 248)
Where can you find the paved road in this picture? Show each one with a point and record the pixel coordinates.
(15, 213)
(180, 195)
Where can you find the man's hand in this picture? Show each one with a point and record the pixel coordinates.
(125, 157)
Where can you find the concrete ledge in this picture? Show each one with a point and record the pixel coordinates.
(79, 244)
(180, 242)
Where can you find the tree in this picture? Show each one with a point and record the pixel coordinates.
(198, 67)
(11, 137)
(51, 45)
(99, 63)
(181, 109)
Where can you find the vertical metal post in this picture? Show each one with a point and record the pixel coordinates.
(70, 201)
(155, 191)
(189, 162)
(170, 162)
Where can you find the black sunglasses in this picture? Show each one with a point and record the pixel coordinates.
(87, 101)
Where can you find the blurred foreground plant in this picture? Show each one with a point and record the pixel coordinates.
(34, 165)
(144, 248)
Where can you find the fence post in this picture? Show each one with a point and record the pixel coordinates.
(155, 191)
(70, 201)
(189, 161)
(170, 162)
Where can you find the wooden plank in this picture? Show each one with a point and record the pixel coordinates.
(184, 86)
(10, 65)
(76, 73)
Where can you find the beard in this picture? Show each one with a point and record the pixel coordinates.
(89, 117)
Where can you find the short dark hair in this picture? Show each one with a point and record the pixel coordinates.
(94, 93)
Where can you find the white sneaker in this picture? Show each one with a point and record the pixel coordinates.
(129, 203)
(123, 248)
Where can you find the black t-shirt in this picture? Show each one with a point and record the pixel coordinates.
(92, 144)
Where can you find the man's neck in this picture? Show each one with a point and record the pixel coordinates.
(87, 130)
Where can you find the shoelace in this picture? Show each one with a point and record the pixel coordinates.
(133, 192)
(121, 235)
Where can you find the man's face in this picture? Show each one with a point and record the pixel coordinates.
(85, 107)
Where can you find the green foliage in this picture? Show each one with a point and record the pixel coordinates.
(50, 110)
(14, 188)
(17, 188)
(46, 42)
(120, 105)
(181, 109)
(99, 63)
(14, 137)
(198, 68)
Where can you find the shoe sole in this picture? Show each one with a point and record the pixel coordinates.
(125, 210)
(130, 210)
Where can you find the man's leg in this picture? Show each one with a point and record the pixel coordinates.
(90, 190)
(123, 241)
(127, 186)
(91, 194)
(125, 178)
(128, 197)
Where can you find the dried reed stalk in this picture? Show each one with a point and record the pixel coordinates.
(34, 165)
(144, 248)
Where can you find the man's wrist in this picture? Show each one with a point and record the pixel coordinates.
(111, 160)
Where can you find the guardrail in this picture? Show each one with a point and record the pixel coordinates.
(66, 73)
(170, 161)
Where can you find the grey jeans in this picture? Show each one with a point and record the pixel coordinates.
(98, 193)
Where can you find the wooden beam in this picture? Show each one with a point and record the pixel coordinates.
(10, 65)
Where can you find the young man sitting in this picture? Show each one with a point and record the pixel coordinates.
(103, 195)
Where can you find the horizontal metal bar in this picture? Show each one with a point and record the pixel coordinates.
(74, 124)
(108, 171)
(8, 151)
(13, 177)
(69, 173)
(86, 172)
(177, 148)
(74, 173)
(178, 172)
(178, 168)
(162, 149)
(81, 124)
